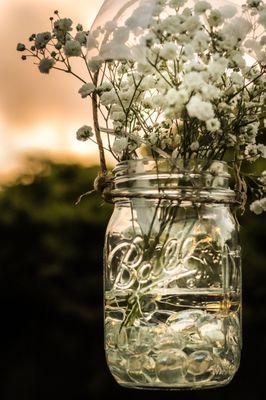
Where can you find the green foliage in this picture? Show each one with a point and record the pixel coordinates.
(47, 239)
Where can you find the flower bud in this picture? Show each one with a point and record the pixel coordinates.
(21, 47)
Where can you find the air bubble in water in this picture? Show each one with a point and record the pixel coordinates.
(200, 366)
(135, 368)
(170, 365)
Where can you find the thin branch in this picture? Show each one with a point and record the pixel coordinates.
(97, 127)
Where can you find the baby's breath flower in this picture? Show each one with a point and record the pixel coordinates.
(46, 64)
(42, 39)
(200, 109)
(195, 146)
(262, 180)
(118, 116)
(238, 60)
(61, 28)
(201, 7)
(254, 151)
(237, 79)
(148, 82)
(58, 46)
(63, 25)
(256, 207)
(213, 125)
(210, 92)
(79, 28)
(176, 98)
(193, 81)
(263, 203)
(201, 41)
(159, 100)
(216, 168)
(21, 47)
(94, 64)
(218, 67)
(120, 144)
(84, 133)
(104, 87)
(215, 18)
(262, 150)
(81, 37)
(108, 98)
(228, 11)
(148, 103)
(177, 3)
(169, 51)
(170, 24)
(191, 24)
(237, 30)
(86, 90)
(72, 48)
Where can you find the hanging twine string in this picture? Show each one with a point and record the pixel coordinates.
(103, 184)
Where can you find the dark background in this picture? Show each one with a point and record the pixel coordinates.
(51, 294)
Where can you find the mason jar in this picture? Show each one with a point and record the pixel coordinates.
(172, 276)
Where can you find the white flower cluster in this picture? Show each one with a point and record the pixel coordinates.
(176, 79)
(61, 28)
(254, 151)
(262, 180)
(46, 64)
(84, 133)
(194, 78)
(200, 109)
(86, 90)
(42, 39)
(120, 144)
(72, 48)
(258, 206)
(188, 88)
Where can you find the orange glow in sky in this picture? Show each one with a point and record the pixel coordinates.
(39, 114)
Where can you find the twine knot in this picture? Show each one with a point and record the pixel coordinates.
(104, 184)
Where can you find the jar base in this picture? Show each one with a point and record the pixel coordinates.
(205, 386)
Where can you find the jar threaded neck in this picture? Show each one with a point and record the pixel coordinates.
(163, 179)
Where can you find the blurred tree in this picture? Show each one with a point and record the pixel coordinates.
(51, 292)
(50, 282)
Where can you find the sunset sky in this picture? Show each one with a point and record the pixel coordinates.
(39, 114)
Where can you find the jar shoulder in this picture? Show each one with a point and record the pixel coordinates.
(142, 218)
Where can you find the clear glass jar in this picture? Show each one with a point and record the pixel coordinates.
(172, 277)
